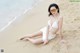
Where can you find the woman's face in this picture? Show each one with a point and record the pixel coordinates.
(53, 10)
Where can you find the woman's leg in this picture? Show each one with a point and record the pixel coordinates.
(35, 41)
(32, 35)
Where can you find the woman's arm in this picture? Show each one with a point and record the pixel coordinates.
(60, 27)
(47, 32)
(60, 31)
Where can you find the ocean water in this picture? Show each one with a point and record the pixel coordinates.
(10, 10)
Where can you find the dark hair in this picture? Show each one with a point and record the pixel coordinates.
(53, 5)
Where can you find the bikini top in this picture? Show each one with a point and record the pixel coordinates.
(54, 24)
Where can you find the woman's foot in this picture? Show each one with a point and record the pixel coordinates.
(26, 39)
(23, 38)
(28, 36)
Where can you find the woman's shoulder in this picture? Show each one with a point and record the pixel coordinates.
(50, 16)
(60, 16)
(48, 22)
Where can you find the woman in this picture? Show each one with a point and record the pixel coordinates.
(49, 32)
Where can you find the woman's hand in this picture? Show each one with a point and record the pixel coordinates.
(45, 42)
(63, 41)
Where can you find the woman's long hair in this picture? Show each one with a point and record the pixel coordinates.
(53, 5)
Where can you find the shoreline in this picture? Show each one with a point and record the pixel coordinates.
(17, 17)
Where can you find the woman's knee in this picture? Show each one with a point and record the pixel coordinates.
(36, 42)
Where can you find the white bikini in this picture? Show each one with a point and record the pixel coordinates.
(44, 30)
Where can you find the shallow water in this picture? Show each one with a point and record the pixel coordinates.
(12, 9)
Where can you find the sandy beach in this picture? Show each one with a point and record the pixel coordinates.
(37, 18)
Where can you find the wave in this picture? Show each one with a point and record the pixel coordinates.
(14, 12)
